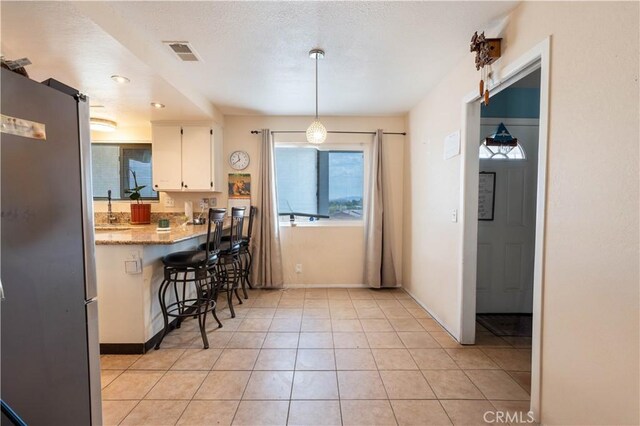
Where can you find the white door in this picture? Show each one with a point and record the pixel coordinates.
(166, 151)
(506, 244)
(196, 158)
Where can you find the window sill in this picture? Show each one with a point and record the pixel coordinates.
(325, 224)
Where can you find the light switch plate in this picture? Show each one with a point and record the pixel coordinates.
(454, 215)
(169, 201)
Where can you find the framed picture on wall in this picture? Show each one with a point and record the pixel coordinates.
(486, 195)
(239, 185)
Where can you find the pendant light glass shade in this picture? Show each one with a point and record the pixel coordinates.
(316, 133)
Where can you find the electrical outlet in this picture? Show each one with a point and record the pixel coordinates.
(204, 203)
(169, 201)
(454, 215)
(213, 201)
(298, 268)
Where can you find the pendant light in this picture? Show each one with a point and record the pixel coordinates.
(316, 133)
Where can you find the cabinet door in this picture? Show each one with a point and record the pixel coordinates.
(166, 149)
(217, 161)
(196, 158)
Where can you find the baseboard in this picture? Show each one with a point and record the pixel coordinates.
(326, 286)
(133, 348)
(122, 348)
(435, 317)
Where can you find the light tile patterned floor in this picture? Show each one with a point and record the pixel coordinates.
(319, 357)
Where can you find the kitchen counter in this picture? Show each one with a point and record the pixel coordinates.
(147, 235)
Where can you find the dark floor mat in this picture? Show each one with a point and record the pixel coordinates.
(506, 324)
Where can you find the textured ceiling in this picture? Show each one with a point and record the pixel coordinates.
(66, 45)
(382, 57)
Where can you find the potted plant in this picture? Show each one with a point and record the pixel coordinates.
(140, 212)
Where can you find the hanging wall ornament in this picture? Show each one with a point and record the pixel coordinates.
(487, 51)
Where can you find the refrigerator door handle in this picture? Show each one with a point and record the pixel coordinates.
(1, 292)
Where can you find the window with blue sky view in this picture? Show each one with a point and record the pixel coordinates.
(314, 181)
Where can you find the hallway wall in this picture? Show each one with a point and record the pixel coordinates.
(590, 282)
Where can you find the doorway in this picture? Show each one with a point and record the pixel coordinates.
(507, 212)
(537, 58)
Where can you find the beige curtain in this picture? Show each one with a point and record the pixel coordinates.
(267, 259)
(379, 270)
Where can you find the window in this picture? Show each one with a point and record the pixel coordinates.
(326, 182)
(112, 165)
(502, 152)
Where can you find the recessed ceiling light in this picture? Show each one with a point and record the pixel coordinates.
(120, 79)
(157, 105)
(102, 124)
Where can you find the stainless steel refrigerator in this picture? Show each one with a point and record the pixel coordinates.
(50, 370)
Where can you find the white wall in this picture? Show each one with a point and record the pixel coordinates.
(590, 283)
(329, 255)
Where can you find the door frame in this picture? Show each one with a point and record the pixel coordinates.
(536, 58)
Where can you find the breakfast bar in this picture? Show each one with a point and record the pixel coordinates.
(129, 272)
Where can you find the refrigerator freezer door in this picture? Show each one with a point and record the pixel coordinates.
(84, 136)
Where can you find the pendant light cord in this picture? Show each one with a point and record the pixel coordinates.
(317, 85)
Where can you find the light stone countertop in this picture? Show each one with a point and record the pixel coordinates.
(147, 235)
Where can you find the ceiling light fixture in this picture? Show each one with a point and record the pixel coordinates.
(316, 133)
(102, 125)
(157, 105)
(120, 79)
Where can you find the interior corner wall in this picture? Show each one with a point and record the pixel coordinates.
(590, 311)
(329, 255)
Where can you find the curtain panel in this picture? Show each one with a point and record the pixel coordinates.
(267, 257)
(379, 269)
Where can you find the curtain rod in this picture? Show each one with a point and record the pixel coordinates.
(255, 132)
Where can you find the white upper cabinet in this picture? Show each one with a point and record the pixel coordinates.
(195, 161)
(167, 174)
(196, 158)
(217, 161)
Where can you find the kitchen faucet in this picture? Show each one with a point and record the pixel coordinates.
(110, 217)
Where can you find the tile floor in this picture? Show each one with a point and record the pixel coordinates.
(319, 357)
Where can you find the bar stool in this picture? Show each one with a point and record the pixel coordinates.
(246, 255)
(191, 272)
(229, 266)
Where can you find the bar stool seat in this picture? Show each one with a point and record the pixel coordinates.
(188, 259)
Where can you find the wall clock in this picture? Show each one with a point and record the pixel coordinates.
(239, 160)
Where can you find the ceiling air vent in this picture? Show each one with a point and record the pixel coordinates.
(183, 50)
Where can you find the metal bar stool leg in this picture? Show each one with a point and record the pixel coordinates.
(213, 293)
(237, 276)
(243, 275)
(249, 263)
(227, 286)
(202, 303)
(165, 316)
